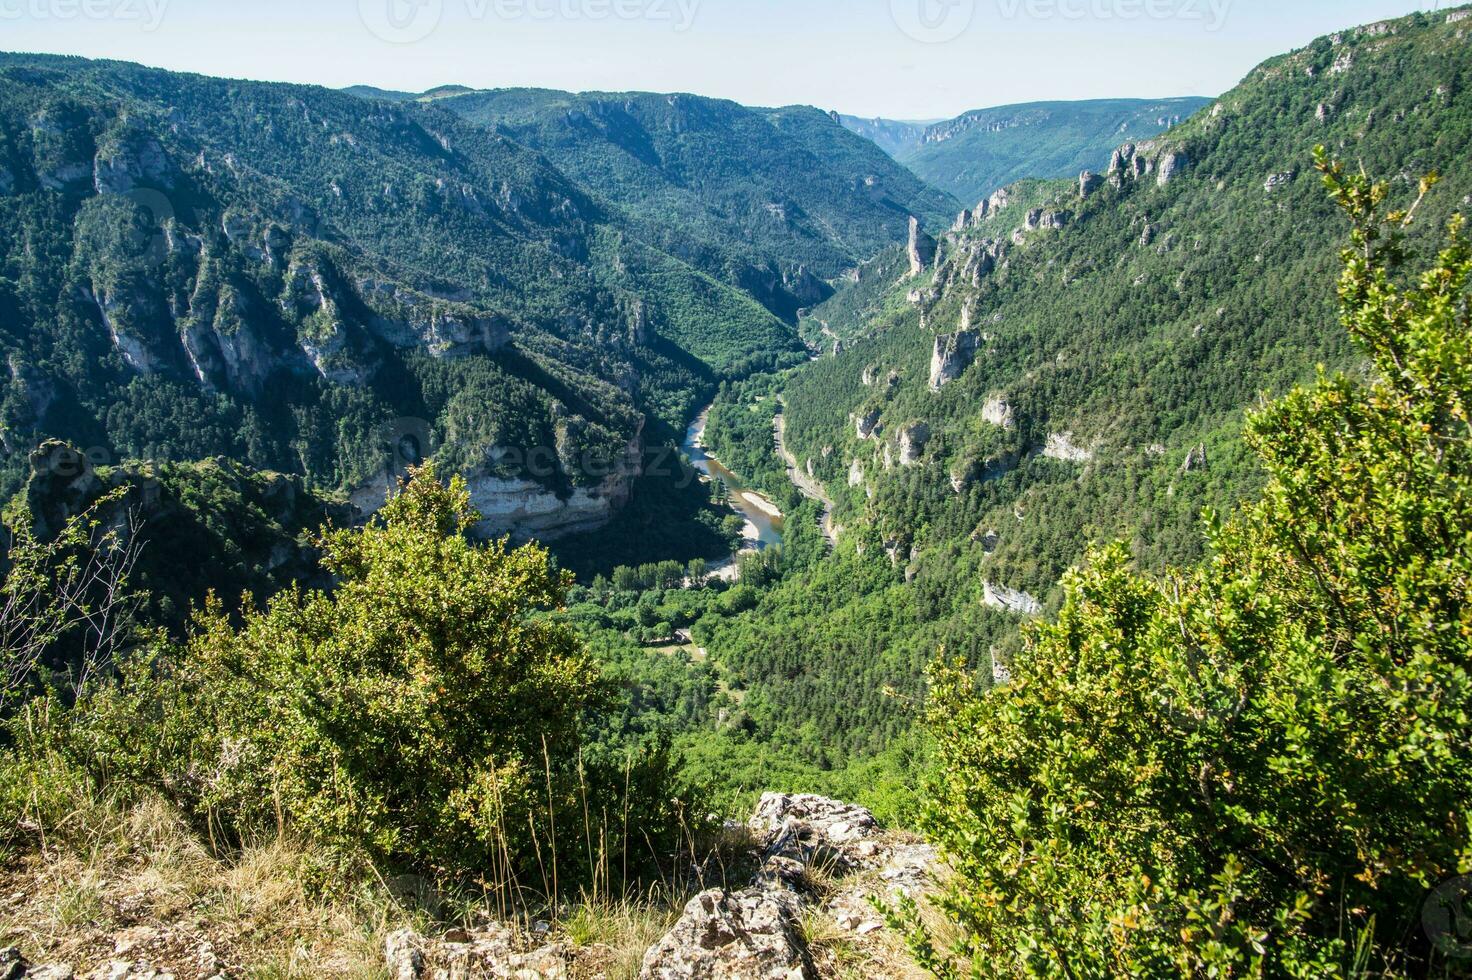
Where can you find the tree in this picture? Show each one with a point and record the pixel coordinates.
(698, 571)
(67, 602)
(425, 711)
(1258, 766)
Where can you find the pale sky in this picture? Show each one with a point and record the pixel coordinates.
(903, 59)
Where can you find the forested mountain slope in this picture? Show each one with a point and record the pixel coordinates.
(774, 201)
(977, 152)
(1078, 372)
(301, 280)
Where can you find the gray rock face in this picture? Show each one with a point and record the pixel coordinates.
(1172, 162)
(981, 258)
(487, 951)
(866, 423)
(126, 312)
(1060, 445)
(1195, 459)
(752, 934)
(952, 354)
(913, 440)
(998, 412)
(1088, 183)
(755, 933)
(130, 160)
(921, 248)
(856, 473)
(1001, 673)
(1278, 180)
(1009, 600)
(516, 505)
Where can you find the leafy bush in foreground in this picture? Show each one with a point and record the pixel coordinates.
(1260, 766)
(426, 713)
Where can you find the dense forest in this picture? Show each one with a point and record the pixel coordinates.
(1115, 358)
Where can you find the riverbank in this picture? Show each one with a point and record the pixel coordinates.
(805, 484)
(763, 527)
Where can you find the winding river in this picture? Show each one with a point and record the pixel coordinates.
(763, 519)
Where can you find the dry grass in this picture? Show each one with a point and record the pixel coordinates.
(138, 882)
(611, 937)
(844, 954)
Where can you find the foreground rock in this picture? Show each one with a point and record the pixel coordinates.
(756, 933)
(491, 950)
(137, 954)
(753, 934)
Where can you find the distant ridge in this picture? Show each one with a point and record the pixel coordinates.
(984, 149)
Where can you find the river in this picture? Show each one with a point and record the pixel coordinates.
(763, 519)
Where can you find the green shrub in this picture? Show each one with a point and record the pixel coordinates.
(1257, 767)
(426, 712)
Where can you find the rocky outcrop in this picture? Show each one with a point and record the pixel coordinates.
(1195, 459)
(856, 473)
(127, 313)
(516, 504)
(1172, 162)
(921, 248)
(1001, 673)
(866, 423)
(1009, 600)
(130, 159)
(998, 412)
(951, 355)
(1060, 445)
(756, 933)
(1278, 180)
(913, 440)
(980, 259)
(1045, 219)
(489, 950)
(1088, 183)
(752, 934)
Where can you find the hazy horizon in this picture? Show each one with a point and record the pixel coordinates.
(912, 60)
